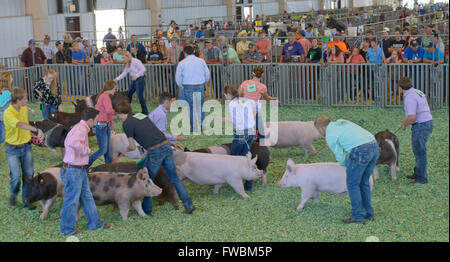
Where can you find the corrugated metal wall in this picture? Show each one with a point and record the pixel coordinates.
(110, 4)
(268, 8)
(182, 15)
(141, 18)
(12, 8)
(18, 30)
(188, 3)
(136, 4)
(58, 24)
(361, 3)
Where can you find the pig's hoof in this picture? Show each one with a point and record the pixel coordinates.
(397, 168)
(176, 207)
(299, 208)
(394, 178)
(42, 217)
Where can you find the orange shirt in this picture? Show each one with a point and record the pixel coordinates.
(262, 44)
(340, 44)
(253, 90)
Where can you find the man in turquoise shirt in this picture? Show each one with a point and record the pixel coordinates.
(346, 138)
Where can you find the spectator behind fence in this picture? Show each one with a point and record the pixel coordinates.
(395, 58)
(315, 53)
(120, 36)
(432, 55)
(437, 41)
(242, 45)
(308, 31)
(174, 51)
(414, 36)
(306, 44)
(413, 53)
(59, 56)
(428, 32)
(292, 49)
(106, 59)
(386, 42)
(27, 56)
(49, 50)
(228, 55)
(136, 49)
(375, 54)
(365, 47)
(155, 56)
(336, 55)
(117, 56)
(339, 42)
(68, 48)
(263, 46)
(252, 55)
(398, 43)
(355, 57)
(96, 56)
(200, 34)
(163, 49)
(109, 37)
(211, 53)
(160, 36)
(111, 48)
(78, 56)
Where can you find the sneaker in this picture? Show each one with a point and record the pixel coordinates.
(410, 177)
(189, 210)
(349, 221)
(12, 201)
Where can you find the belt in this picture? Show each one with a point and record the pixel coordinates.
(158, 145)
(370, 143)
(103, 123)
(7, 144)
(65, 165)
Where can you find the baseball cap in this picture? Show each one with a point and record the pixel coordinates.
(57, 43)
(31, 41)
(430, 25)
(250, 45)
(385, 30)
(431, 45)
(414, 43)
(302, 32)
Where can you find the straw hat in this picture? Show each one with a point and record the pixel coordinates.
(242, 33)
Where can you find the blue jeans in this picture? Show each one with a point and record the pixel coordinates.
(240, 147)
(47, 110)
(76, 190)
(138, 86)
(103, 134)
(420, 133)
(360, 165)
(2, 132)
(163, 155)
(20, 161)
(189, 93)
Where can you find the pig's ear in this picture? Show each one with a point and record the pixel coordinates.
(290, 165)
(140, 174)
(253, 161)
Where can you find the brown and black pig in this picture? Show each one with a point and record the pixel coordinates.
(45, 187)
(122, 189)
(389, 152)
(168, 194)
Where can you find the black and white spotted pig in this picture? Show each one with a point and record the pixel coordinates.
(389, 152)
(122, 189)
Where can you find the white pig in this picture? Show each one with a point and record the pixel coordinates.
(292, 133)
(210, 169)
(119, 144)
(315, 178)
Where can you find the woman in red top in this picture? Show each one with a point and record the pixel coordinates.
(356, 58)
(253, 89)
(105, 118)
(336, 55)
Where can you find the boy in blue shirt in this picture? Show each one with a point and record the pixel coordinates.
(433, 55)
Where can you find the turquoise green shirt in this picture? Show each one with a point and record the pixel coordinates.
(342, 136)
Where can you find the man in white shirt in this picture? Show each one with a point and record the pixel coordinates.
(191, 75)
(49, 50)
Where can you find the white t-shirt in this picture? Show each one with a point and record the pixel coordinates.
(243, 112)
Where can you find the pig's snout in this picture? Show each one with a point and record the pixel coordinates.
(155, 191)
(281, 183)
